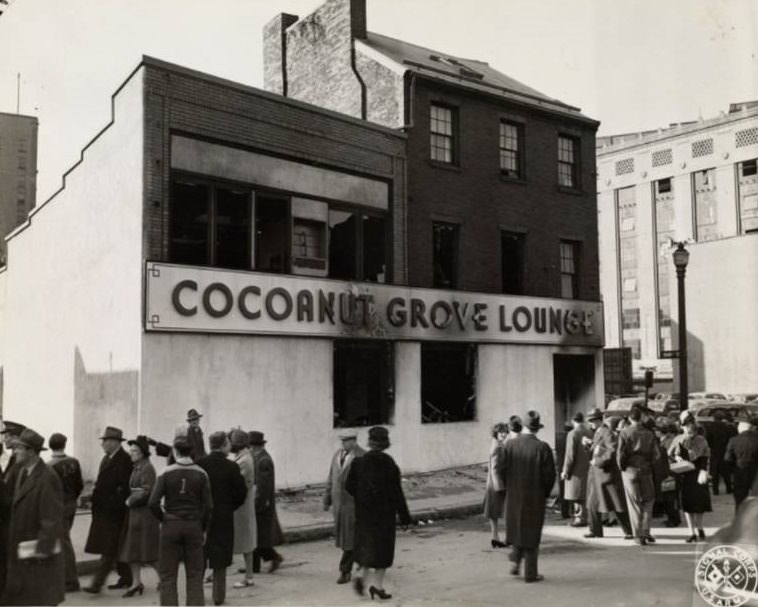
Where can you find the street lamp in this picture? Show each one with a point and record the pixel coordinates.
(681, 258)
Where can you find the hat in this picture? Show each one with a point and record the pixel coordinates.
(256, 438)
(12, 428)
(515, 424)
(613, 421)
(57, 441)
(533, 421)
(193, 414)
(578, 417)
(348, 434)
(217, 440)
(378, 437)
(111, 432)
(594, 415)
(29, 438)
(239, 439)
(142, 444)
(686, 417)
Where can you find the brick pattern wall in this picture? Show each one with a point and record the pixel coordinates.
(483, 203)
(188, 103)
(274, 49)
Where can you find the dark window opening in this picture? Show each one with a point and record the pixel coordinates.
(749, 167)
(232, 229)
(569, 264)
(357, 246)
(511, 150)
(189, 224)
(568, 175)
(363, 383)
(445, 255)
(513, 263)
(374, 249)
(664, 186)
(448, 382)
(272, 221)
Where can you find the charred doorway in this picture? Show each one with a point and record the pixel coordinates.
(574, 390)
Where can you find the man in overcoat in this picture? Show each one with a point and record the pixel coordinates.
(109, 511)
(35, 561)
(576, 465)
(228, 491)
(10, 432)
(605, 490)
(269, 531)
(195, 435)
(742, 455)
(637, 453)
(528, 471)
(342, 502)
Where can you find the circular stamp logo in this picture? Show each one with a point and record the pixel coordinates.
(726, 576)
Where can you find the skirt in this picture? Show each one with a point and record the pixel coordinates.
(696, 498)
(494, 504)
(141, 540)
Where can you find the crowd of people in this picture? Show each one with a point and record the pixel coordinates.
(202, 509)
(623, 470)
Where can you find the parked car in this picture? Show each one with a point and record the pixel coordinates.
(665, 407)
(737, 411)
(707, 395)
(744, 397)
(622, 407)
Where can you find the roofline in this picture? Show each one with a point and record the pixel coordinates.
(246, 88)
(674, 132)
(19, 116)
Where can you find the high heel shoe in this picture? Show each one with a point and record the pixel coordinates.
(497, 544)
(373, 590)
(701, 533)
(691, 539)
(139, 589)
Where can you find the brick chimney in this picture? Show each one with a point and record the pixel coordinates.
(275, 53)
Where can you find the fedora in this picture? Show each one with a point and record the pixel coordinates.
(193, 414)
(256, 438)
(114, 433)
(348, 434)
(12, 428)
(533, 420)
(142, 444)
(594, 415)
(30, 439)
(378, 437)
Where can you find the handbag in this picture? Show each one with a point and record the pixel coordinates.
(668, 484)
(682, 467)
(702, 477)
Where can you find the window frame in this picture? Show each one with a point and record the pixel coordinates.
(521, 237)
(456, 255)
(359, 241)
(519, 151)
(575, 164)
(453, 136)
(576, 260)
(448, 345)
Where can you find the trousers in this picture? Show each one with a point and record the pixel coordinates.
(105, 566)
(181, 540)
(263, 554)
(219, 586)
(529, 556)
(69, 558)
(596, 520)
(347, 560)
(640, 496)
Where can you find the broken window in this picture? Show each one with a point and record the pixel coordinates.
(272, 227)
(363, 381)
(513, 263)
(357, 246)
(448, 382)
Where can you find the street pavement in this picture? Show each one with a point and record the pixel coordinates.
(450, 562)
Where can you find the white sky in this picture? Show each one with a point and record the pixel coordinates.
(632, 64)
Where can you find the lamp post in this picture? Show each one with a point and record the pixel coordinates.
(681, 258)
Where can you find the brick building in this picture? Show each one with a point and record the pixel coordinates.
(500, 177)
(18, 172)
(693, 181)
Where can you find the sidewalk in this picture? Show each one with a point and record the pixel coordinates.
(450, 493)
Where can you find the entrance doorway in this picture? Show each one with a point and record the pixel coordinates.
(573, 388)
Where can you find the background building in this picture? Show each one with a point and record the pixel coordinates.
(18, 172)
(500, 187)
(695, 181)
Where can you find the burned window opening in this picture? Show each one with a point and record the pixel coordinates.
(448, 383)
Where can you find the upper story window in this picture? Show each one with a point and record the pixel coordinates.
(569, 265)
(512, 250)
(512, 149)
(442, 132)
(568, 155)
(357, 246)
(445, 255)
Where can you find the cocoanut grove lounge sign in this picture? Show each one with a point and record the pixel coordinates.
(212, 300)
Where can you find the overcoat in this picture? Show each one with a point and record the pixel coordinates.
(605, 488)
(576, 465)
(36, 514)
(142, 535)
(342, 503)
(494, 498)
(195, 438)
(228, 491)
(374, 482)
(109, 504)
(245, 526)
(269, 531)
(528, 472)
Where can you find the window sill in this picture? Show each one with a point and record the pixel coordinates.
(444, 165)
(566, 190)
(514, 180)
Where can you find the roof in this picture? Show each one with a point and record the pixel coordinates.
(469, 73)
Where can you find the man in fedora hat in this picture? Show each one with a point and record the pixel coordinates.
(269, 531)
(109, 511)
(195, 435)
(576, 465)
(343, 504)
(10, 431)
(35, 562)
(605, 491)
(527, 469)
(69, 471)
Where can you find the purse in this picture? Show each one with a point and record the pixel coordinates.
(682, 467)
(668, 484)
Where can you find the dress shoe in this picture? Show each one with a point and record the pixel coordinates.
(373, 590)
(592, 535)
(577, 524)
(701, 533)
(118, 585)
(344, 577)
(536, 578)
(628, 536)
(92, 589)
(244, 583)
(138, 589)
(640, 541)
(691, 539)
(275, 563)
(515, 570)
(497, 544)
(650, 539)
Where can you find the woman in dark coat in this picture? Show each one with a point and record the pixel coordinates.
(696, 498)
(142, 535)
(374, 483)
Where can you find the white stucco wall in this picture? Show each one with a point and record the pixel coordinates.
(72, 314)
(283, 387)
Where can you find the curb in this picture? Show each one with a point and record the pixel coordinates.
(321, 531)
